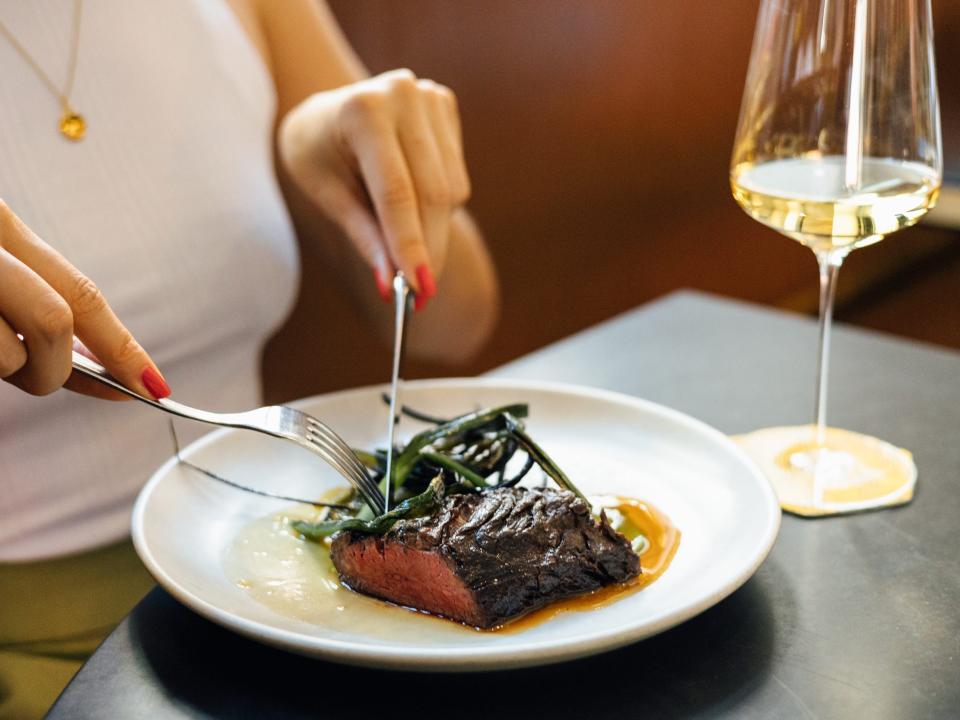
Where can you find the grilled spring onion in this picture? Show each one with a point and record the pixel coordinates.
(472, 449)
(466, 454)
(416, 506)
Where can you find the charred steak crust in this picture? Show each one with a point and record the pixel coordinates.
(487, 557)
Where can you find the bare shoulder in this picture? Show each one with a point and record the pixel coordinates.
(248, 12)
(302, 45)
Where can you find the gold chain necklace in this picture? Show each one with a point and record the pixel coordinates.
(72, 124)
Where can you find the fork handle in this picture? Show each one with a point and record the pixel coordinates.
(94, 370)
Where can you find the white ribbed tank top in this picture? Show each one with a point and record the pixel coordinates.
(171, 206)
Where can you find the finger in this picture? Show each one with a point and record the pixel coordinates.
(420, 148)
(88, 386)
(391, 190)
(34, 310)
(352, 213)
(13, 353)
(444, 117)
(93, 321)
(435, 220)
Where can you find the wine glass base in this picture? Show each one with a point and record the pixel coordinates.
(848, 472)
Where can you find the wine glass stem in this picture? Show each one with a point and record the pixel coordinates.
(829, 262)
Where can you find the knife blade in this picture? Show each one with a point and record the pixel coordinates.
(401, 299)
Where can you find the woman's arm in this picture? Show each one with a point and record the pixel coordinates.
(383, 158)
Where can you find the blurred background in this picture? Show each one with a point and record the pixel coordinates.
(598, 136)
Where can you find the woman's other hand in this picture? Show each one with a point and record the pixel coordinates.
(48, 308)
(383, 157)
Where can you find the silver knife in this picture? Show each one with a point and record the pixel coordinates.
(401, 298)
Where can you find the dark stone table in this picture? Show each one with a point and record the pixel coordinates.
(849, 617)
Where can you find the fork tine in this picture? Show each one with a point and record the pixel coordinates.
(325, 430)
(349, 472)
(334, 442)
(329, 441)
(344, 461)
(363, 482)
(329, 438)
(374, 497)
(322, 435)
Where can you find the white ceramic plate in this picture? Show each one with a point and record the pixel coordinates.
(183, 524)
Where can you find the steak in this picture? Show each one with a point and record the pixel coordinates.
(485, 558)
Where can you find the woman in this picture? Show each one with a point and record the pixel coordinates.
(169, 208)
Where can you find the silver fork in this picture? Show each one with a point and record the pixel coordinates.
(275, 420)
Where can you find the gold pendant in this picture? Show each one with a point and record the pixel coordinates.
(72, 125)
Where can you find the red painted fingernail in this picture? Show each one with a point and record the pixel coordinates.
(154, 382)
(419, 301)
(428, 286)
(382, 285)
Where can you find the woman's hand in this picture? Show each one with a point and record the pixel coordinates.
(383, 157)
(46, 301)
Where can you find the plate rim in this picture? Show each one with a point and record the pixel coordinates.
(452, 659)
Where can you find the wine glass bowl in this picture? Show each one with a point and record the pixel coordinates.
(806, 199)
(838, 145)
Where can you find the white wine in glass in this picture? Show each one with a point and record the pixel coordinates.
(838, 145)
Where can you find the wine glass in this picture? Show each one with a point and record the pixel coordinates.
(838, 145)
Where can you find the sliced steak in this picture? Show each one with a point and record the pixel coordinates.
(484, 558)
